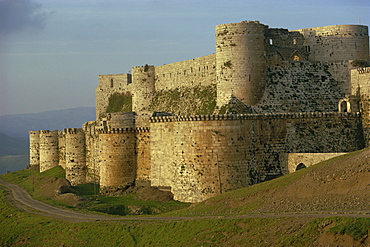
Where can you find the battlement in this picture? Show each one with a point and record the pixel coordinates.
(254, 116)
(363, 70)
(124, 130)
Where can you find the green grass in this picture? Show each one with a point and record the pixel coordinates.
(25, 229)
(119, 102)
(199, 100)
(34, 182)
(357, 228)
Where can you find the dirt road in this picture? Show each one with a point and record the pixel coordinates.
(24, 201)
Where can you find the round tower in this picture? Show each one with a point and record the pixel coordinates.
(143, 85)
(34, 149)
(338, 42)
(75, 156)
(118, 159)
(241, 62)
(48, 149)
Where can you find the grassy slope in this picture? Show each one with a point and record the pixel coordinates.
(26, 229)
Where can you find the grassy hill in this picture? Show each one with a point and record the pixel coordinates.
(272, 213)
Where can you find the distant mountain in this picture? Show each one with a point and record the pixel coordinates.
(13, 153)
(18, 125)
(14, 132)
(12, 146)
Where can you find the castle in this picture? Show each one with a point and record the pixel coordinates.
(268, 102)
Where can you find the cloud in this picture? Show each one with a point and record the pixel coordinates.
(21, 15)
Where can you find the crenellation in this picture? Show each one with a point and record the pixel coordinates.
(270, 101)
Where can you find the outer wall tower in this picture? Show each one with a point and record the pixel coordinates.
(241, 62)
(118, 159)
(48, 149)
(143, 87)
(338, 42)
(34, 149)
(75, 156)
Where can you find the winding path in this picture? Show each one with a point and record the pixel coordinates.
(24, 201)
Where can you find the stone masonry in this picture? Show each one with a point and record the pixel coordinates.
(272, 101)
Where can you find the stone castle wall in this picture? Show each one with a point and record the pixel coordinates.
(92, 152)
(199, 71)
(217, 153)
(301, 87)
(338, 42)
(295, 80)
(361, 87)
(241, 62)
(49, 156)
(34, 144)
(118, 159)
(75, 153)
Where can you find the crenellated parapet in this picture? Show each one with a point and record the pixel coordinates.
(225, 117)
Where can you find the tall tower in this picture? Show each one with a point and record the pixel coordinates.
(49, 156)
(34, 149)
(118, 159)
(241, 62)
(75, 156)
(338, 42)
(143, 87)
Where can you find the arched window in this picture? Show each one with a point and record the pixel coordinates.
(297, 56)
(300, 166)
(343, 106)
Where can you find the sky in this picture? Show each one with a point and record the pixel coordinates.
(52, 51)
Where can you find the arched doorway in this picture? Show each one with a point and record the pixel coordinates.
(300, 166)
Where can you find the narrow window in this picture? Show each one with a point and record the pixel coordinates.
(271, 42)
(111, 83)
(294, 41)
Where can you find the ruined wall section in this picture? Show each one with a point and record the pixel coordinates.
(360, 80)
(75, 151)
(300, 87)
(241, 62)
(49, 156)
(199, 71)
(283, 45)
(338, 42)
(34, 143)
